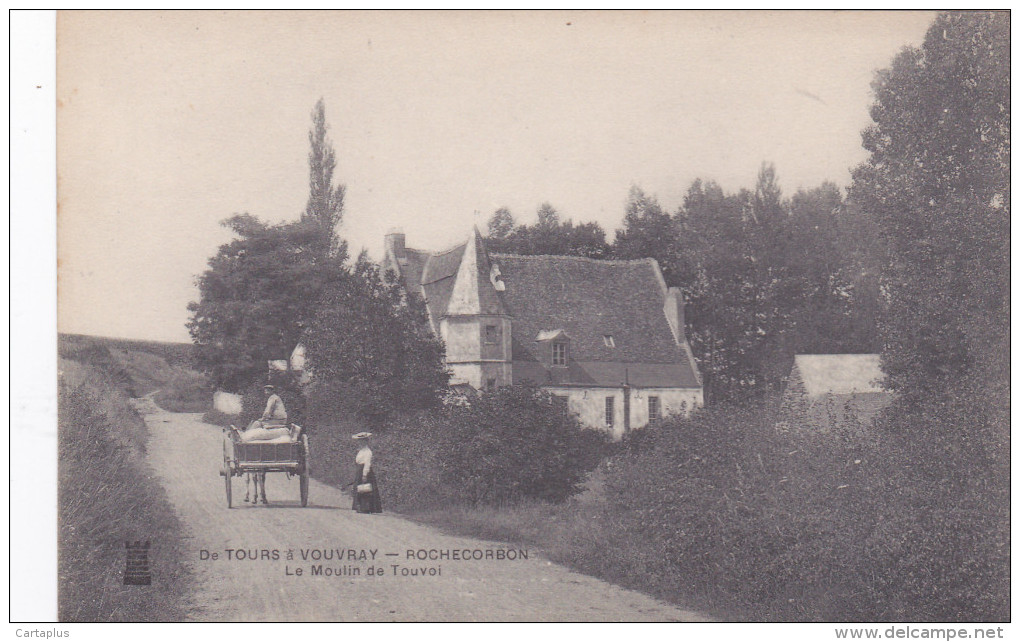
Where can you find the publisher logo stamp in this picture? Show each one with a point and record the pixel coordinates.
(136, 571)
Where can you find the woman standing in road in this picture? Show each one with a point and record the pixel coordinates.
(366, 488)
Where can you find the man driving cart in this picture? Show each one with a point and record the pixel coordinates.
(271, 428)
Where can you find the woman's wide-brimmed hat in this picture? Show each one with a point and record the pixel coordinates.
(361, 435)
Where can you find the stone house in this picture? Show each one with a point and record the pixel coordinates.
(606, 338)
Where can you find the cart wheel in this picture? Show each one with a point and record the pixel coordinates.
(228, 479)
(308, 455)
(306, 471)
(227, 474)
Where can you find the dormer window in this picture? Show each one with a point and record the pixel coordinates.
(559, 353)
(608, 340)
(554, 345)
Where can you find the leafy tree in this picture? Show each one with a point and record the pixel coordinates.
(261, 289)
(835, 273)
(585, 239)
(719, 288)
(650, 231)
(937, 183)
(550, 235)
(370, 348)
(256, 297)
(502, 224)
(767, 206)
(766, 278)
(937, 186)
(325, 206)
(548, 217)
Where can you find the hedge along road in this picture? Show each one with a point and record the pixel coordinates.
(239, 555)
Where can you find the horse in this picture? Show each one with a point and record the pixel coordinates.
(260, 480)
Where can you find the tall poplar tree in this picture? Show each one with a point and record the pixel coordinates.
(325, 206)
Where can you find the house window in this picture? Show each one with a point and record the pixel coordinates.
(490, 384)
(608, 340)
(560, 403)
(653, 408)
(559, 355)
(491, 334)
(610, 410)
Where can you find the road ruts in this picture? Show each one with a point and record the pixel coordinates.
(185, 454)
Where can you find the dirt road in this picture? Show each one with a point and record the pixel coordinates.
(186, 455)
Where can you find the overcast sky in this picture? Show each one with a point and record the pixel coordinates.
(169, 123)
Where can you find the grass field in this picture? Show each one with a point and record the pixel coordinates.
(142, 368)
(175, 354)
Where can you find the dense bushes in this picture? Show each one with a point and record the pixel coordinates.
(721, 513)
(751, 524)
(107, 496)
(503, 447)
(513, 444)
(946, 489)
(738, 515)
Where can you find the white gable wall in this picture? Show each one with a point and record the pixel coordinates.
(589, 404)
(672, 401)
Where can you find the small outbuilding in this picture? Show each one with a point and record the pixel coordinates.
(824, 390)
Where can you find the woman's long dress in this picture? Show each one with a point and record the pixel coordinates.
(366, 502)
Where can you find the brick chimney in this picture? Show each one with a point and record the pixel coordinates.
(395, 240)
(673, 307)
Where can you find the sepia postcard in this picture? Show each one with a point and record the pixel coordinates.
(534, 316)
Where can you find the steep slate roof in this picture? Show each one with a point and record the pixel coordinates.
(412, 270)
(588, 299)
(437, 278)
(442, 265)
(585, 298)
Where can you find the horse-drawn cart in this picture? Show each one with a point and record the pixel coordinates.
(261, 457)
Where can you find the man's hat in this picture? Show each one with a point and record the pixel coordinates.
(269, 386)
(361, 435)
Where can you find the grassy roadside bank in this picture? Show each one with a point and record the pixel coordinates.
(107, 495)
